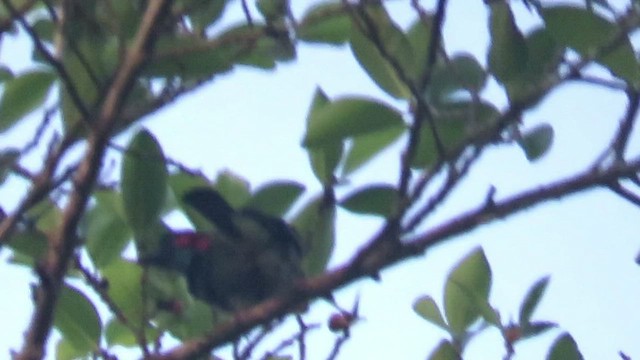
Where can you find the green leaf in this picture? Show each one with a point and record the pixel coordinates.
(325, 158)
(152, 240)
(46, 215)
(276, 198)
(427, 308)
(536, 328)
(31, 243)
(5, 74)
(123, 14)
(445, 351)
(468, 284)
(532, 299)
(107, 232)
(267, 50)
(241, 49)
(196, 319)
(426, 152)
(564, 348)
(372, 199)
(190, 58)
(23, 94)
(454, 123)
(324, 161)
(461, 73)
(326, 22)
(8, 160)
(365, 147)
(66, 351)
(589, 33)
(508, 51)
(166, 285)
(204, 13)
(537, 141)
(316, 225)
(544, 58)
(419, 36)
(233, 187)
(125, 279)
(181, 182)
(383, 70)
(78, 320)
(89, 60)
(544, 54)
(273, 9)
(118, 334)
(144, 182)
(487, 312)
(46, 29)
(349, 117)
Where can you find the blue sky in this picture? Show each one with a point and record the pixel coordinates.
(252, 122)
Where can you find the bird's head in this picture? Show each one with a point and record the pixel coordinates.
(177, 249)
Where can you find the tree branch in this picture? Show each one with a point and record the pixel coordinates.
(626, 194)
(626, 126)
(367, 261)
(63, 243)
(100, 286)
(51, 60)
(5, 24)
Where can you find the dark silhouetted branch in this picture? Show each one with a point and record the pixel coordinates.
(62, 244)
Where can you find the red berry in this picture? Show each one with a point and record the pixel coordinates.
(512, 333)
(341, 321)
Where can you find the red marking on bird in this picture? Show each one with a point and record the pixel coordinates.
(201, 242)
(183, 240)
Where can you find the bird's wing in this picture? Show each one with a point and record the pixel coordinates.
(278, 230)
(210, 204)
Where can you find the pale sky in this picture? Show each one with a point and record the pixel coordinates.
(252, 122)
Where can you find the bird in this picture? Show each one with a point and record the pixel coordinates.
(247, 257)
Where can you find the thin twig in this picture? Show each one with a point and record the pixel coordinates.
(370, 30)
(621, 138)
(42, 185)
(64, 241)
(46, 120)
(100, 287)
(290, 341)
(337, 346)
(302, 348)
(422, 109)
(7, 23)
(144, 319)
(252, 344)
(435, 39)
(50, 59)
(606, 83)
(454, 175)
(633, 198)
(169, 161)
(383, 257)
(626, 127)
(52, 11)
(247, 13)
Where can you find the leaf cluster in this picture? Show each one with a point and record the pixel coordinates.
(103, 65)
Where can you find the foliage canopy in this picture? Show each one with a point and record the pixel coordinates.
(100, 66)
